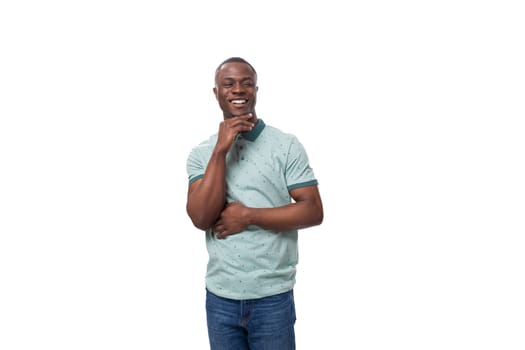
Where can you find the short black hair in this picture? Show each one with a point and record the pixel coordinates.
(235, 59)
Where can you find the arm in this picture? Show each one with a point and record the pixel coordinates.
(207, 196)
(307, 211)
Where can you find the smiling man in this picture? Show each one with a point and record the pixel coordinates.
(251, 188)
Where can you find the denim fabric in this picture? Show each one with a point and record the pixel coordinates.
(255, 324)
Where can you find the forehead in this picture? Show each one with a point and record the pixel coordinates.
(235, 70)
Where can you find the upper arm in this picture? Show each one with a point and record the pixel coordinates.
(192, 186)
(300, 178)
(307, 193)
(310, 199)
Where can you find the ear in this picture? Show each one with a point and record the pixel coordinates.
(215, 93)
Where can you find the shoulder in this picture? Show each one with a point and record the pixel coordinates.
(282, 143)
(205, 146)
(286, 139)
(278, 134)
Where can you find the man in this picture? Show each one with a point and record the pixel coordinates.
(241, 184)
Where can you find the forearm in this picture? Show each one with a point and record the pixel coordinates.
(206, 201)
(293, 216)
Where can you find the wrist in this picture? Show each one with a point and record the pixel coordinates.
(219, 152)
(250, 216)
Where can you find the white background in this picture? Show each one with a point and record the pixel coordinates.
(411, 113)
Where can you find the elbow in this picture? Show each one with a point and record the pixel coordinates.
(201, 226)
(319, 217)
(199, 221)
(316, 216)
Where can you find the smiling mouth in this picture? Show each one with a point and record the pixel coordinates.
(239, 102)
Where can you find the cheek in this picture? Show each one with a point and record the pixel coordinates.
(219, 98)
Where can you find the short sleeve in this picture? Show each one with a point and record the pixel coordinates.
(298, 171)
(195, 166)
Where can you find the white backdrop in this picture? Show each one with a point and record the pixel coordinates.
(411, 113)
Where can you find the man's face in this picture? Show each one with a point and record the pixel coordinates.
(236, 89)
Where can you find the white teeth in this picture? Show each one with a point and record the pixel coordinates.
(239, 101)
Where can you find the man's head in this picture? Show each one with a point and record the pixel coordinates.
(236, 87)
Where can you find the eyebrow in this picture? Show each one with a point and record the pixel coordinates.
(242, 79)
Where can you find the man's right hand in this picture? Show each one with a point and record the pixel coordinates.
(228, 130)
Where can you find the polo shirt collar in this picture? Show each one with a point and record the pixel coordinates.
(255, 132)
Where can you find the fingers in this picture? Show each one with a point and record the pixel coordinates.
(229, 129)
(240, 123)
(223, 235)
(221, 232)
(218, 228)
(243, 116)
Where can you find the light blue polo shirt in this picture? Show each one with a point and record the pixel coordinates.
(262, 166)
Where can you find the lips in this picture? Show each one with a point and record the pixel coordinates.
(238, 101)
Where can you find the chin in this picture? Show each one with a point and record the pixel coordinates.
(239, 113)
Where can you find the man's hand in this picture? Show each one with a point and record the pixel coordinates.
(233, 219)
(229, 128)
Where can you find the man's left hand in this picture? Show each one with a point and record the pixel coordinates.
(233, 219)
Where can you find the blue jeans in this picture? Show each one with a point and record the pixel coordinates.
(257, 324)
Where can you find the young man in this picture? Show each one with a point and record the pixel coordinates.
(251, 189)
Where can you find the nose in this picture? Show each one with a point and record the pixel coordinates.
(237, 88)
